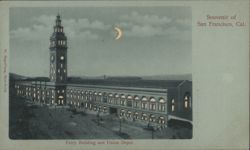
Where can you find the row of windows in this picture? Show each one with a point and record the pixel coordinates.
(58, 42)
(140, 105)
(117, 99)
(110, 96)
(123, 113)
(143, 116)
(61, 70)
(61, 64)
(58, 29)
(123, 101)
(54, 77)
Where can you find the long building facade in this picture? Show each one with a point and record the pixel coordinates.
(132, 99)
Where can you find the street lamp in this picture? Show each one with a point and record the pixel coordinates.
(151, 127)
(153, 130)
(98, 118)
(120, 129)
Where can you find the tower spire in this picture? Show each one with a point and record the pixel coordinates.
(58, 61)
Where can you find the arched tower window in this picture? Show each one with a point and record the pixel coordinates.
(173, 105)
(187, 98)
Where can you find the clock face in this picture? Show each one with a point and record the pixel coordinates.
(52, 58)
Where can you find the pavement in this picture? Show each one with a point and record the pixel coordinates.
(34, 121)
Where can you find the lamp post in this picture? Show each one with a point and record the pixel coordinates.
(152, 129)
(120, 129)
(98, 118)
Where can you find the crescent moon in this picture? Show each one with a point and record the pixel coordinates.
(118, 33)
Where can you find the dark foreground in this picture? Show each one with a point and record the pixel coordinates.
(32, 121)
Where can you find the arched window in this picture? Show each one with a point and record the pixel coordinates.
(144, 102)
(152, 105)
(136, 101)
(173, 105)
(122, 113)
(152, 118)
(136, 115)
(161, 120)
(162, 104)
(123, 101)
(104, 109)
(117, 97)
(129, 114)
(129, 100)
(105, 97)
(144, 117)
(187, 100)
(110, 98)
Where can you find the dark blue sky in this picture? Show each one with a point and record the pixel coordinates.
(156, 40)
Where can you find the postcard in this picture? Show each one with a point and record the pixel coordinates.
(127, 75)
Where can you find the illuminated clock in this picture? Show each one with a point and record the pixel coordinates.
(62, 57)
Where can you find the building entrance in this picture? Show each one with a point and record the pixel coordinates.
(112, 110)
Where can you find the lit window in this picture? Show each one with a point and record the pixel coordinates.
(152, 106)
(144, 105)
(152, 99)
(136, 104)
(62, 57)
(61, 65)
(186, 101)
(161, 120)
(172, 108)
(173, 105)
(163, 108)
(186, 104)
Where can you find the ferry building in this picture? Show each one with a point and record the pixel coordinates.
(134, 99)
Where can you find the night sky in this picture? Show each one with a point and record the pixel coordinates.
(155, 41)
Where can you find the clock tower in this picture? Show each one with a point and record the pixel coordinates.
(58, 62)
